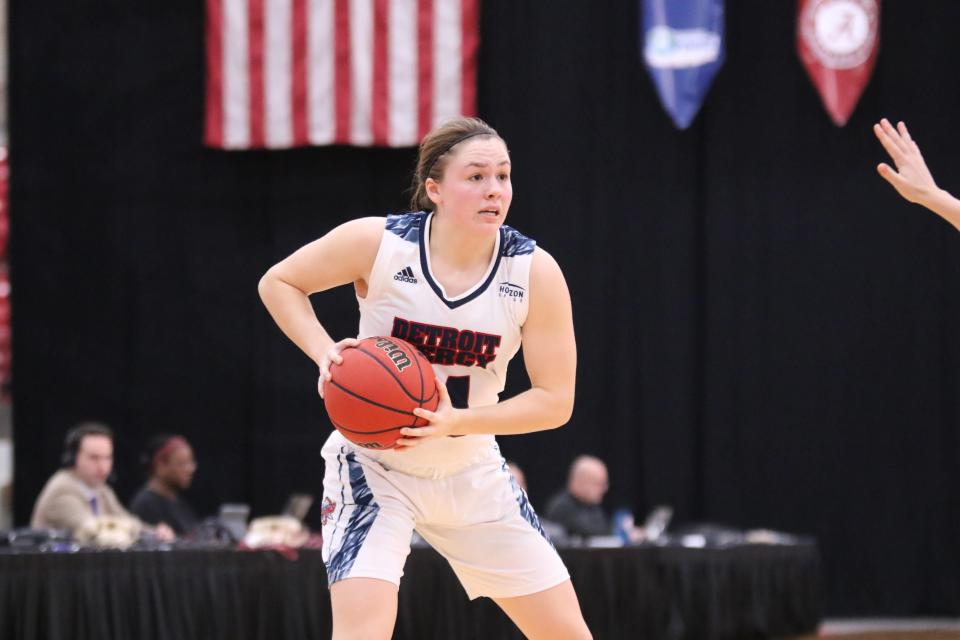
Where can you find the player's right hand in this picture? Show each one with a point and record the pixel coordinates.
(332, 357)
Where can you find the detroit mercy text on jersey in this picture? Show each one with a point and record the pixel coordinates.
(469, 338)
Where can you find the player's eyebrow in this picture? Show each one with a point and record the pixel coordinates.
(484, 164)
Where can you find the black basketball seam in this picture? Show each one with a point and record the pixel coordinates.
(420, 400)
(416, 417)
(368, 400)
(343, 428)
(420, 371)
(387, 369)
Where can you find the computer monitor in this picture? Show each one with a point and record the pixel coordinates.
(233, 517)
(657, 522)
(298, 504)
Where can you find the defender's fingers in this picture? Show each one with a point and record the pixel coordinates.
(891, 176)
(902, 128)
(887, 140)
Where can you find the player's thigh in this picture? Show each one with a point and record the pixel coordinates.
(553, 614)
(363, 609)
(493, 539)
(367, 519)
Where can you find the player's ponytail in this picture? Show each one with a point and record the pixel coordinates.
(434, 153)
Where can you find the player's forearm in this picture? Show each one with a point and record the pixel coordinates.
(944, 205)
(291, 310)
(533, 410)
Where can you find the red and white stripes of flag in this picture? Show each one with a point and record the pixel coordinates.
(838, 41)
(287, 73)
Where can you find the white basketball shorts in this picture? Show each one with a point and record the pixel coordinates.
(478, 519)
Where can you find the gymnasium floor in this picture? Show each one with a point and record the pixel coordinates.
(890, 629)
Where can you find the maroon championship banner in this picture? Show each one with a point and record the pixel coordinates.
(837, 41)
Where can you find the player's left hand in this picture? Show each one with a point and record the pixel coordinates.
(443, 422)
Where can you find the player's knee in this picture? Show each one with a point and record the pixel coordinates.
(351, 633)
(575, 632)
(369, 627)
(580, 632)
(363, 609)
(567, 627)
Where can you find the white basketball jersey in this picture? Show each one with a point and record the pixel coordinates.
(469, 338)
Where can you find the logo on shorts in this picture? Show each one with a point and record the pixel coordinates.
(329, 506)
(369, 445)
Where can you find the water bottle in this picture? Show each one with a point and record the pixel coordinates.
(623, 525)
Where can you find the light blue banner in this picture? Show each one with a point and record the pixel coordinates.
(682, 44)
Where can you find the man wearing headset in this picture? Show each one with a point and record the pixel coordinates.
(79, 493)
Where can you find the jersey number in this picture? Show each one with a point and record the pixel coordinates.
(459, 389)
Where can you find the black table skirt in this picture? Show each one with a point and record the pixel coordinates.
(752, 591)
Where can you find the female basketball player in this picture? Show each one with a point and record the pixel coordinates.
(467, 291)
(912, 179)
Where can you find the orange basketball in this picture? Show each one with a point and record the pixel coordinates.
(373, 392)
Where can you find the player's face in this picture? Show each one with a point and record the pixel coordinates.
(475, 188)
(94, 459)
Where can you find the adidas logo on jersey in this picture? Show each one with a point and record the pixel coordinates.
(406, 275)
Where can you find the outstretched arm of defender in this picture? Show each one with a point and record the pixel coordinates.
(912, 179)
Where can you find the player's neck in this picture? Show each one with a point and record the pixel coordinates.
(160, 487)
(457, 248)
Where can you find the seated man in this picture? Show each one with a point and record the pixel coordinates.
(518, 475)
(78, 493)
(578, 507)
(170, 467)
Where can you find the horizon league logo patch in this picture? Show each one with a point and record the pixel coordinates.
(510, 290)
(395, 352)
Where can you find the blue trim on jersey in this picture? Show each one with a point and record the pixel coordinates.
(526, 509)
(513, 243)
(453, 304)
(342, 500)
(406, 225)
(361, 520)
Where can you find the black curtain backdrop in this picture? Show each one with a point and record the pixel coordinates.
(767, 333)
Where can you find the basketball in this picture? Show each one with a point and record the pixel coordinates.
(372, 394)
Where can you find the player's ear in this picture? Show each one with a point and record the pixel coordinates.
(432, 187)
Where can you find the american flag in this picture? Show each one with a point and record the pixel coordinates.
(288, 73)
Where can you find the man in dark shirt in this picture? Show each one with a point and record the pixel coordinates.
(170, 465)
(578, 507)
